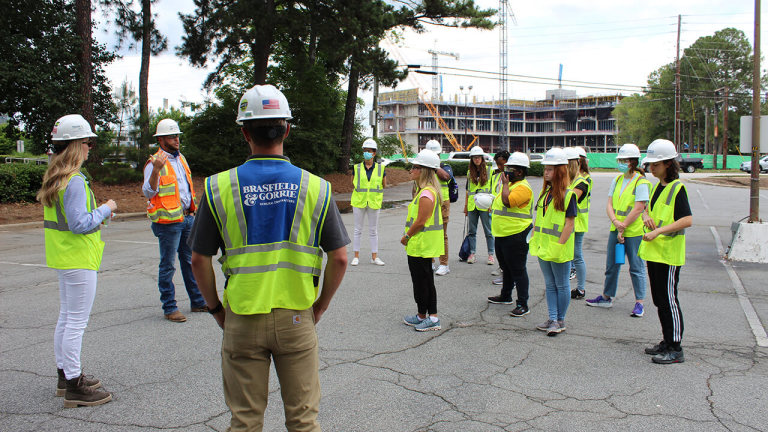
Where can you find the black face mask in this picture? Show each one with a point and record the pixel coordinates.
(514, 176)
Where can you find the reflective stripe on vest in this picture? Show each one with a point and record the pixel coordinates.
(368, 193)
(65, 249)
(165, 207)
(667, 248)
(281, 274)
(547, 230)
(582, 218)
(508, 221)
(427, 243)
(623, 203)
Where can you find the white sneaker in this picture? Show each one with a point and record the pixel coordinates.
(355, 261)
(377, 261)
(434, 266)
(442, 270)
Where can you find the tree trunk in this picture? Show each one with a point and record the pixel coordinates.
(146, 35)
(348, 127)
(261, 48)
(83, 30)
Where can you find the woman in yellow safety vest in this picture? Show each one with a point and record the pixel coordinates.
(369, 180)
(74, 248)
(552, 239)
(423, 239)
(582, 188)
(663, 247)
(478, 181)
(627, 198)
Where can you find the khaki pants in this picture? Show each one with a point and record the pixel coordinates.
(445, 209)
(250, 343)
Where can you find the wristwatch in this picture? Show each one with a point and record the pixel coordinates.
(217, 309)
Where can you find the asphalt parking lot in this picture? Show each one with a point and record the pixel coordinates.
(485, 371)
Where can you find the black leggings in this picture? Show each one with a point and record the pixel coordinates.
(424, 291)
(663, 279)
(512, 252)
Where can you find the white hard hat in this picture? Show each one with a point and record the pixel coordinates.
(434, 146)
(370, 143)
(427, 158)
(70, 127)
(628, 151)
(483, 201)
(263, 102)
(582, 152)
(660, 150)
(518, 159)
(167, 127)
(555, 156)
(571, 153)
(476, 151)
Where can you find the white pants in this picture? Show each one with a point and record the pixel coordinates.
(373, 228)
(77, 289)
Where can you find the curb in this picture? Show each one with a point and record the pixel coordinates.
(39, 224)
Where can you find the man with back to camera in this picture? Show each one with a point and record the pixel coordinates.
(171, 208)
(272, 221)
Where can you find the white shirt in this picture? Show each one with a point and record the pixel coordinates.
(181, 177)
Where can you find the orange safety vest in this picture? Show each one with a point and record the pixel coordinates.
(165, 206)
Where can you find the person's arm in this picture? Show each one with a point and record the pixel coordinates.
(79, 219)
(384, 179)
(425, 212)
(334, 273)
(443, 174)
(567, 230)
(677, 225)
(152, 175)
(505, 189)
(466, 198)
(642, 197)
(202, 268)
(612, 214)
(636, 211)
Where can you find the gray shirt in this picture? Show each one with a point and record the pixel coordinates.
(181, 177)
(79, 219)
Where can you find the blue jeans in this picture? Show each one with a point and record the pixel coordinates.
(173, 240)
(578, 261)
(636, 266)
(556, 278)
(485, 218)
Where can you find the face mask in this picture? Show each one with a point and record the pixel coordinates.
(367, 155)
(623, 167)
(512, 176)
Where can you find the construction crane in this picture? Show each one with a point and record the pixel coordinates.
(436, 92)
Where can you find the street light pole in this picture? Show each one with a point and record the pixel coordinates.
(466, 113)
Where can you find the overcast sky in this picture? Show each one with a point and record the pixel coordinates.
(596, 41)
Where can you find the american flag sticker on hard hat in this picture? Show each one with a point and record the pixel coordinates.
(270, 104)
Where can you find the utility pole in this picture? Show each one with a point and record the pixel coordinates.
(725, 129)
(677, 88)
(375, 111)
(706, 132)
(716, 126)
(754, 184)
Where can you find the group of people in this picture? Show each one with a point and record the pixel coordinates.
(647, 228)
(274, 223)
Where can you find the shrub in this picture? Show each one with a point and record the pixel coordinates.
(536, 170)
(20, 182)
(459, 168)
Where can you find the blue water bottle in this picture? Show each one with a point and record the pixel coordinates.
(619, 253)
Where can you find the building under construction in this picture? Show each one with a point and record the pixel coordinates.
(560, 120)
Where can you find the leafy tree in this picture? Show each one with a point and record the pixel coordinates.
(389, 145)
(39, 69)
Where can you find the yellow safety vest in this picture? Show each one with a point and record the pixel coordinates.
(496, 182)
(65, 250)
(281, 274)
(427, 243)
(547, 230)
(478, 188)
(507, 221)
(368, 193)
(623, 202)
(582, 218)
(444, 187)
(668, 248)
(165, 207)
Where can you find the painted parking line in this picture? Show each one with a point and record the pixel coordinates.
(706, 206)
(746, 305)
(22, 264)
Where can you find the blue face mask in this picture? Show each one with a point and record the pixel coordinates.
(367, 155)
(623, 167)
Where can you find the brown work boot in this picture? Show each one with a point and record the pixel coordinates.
(176, 316)
(61, 385)
(79, 394)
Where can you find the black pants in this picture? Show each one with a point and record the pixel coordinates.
(424, 291)
(664, 279)
(512, 252)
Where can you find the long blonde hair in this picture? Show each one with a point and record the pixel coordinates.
(574, 169)
(428, 177)
(60, 168)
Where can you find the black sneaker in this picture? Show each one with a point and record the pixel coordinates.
(577, 294)
(499, 300)
(659, 348)
(668, 357)
(520, 311)
(573, 273)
